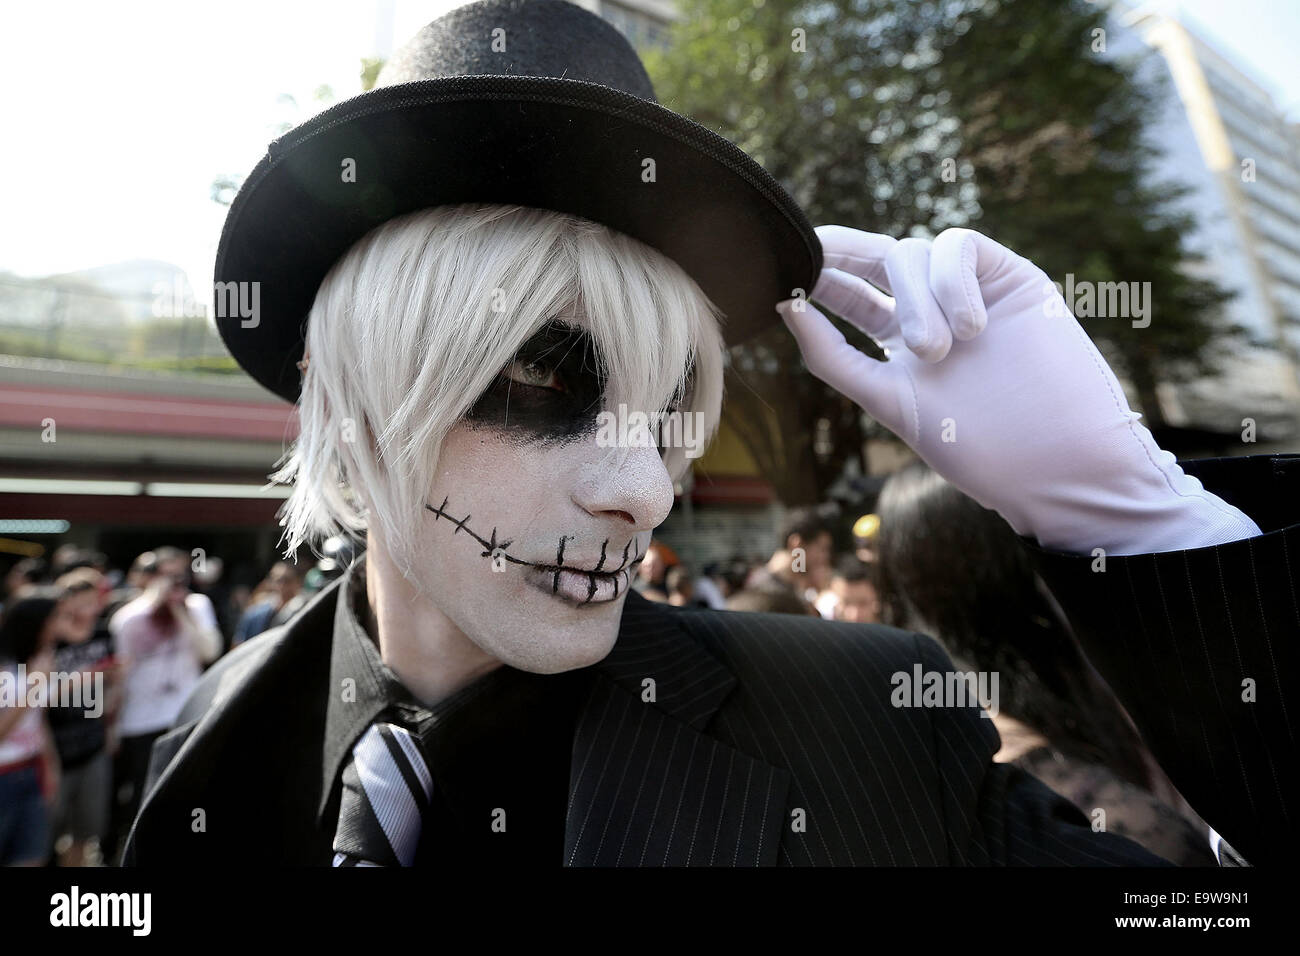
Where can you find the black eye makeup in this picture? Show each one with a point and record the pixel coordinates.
(551, 391)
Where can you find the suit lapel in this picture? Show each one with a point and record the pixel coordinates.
(648, 787)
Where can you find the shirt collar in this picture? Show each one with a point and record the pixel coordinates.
(361, 685)
(362, 688)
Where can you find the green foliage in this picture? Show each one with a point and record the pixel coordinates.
(1054, 135)
(907, 118)
(370, 67)
(72, 319)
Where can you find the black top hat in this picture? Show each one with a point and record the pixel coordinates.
(531, 102)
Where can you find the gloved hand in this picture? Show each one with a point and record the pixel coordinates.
(993, 383)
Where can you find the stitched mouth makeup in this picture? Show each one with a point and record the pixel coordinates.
(572, 582)
(579, 588)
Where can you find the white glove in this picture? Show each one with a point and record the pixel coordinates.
(992, 382)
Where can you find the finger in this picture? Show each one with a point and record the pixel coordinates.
(959, 258)
(859, 302)
(924, 327)
(857, 252)
(841, 366)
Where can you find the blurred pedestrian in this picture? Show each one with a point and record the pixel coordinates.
(652, 576)
(680, 582)
(802, 559)
(162, 649)
(210, 581)
(29, 767)
(770, 600)
(138, 576)
(1057, 718)
(273, 602)
(84, 648)
(852, 595)
(711, 586)
(24, 573)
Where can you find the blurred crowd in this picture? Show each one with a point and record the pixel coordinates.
(128, 648)
(802, 575)
(927, 559)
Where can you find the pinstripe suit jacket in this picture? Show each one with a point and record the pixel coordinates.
(770, 740)
(1203, 648)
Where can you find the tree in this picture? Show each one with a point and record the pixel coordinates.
(819, 94)
(1053, 132)
(910, 117)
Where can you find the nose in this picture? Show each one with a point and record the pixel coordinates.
(631, 486)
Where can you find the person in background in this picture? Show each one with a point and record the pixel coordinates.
(681, 587)
(274, 601)
(734, 574)
(163, 650)
(770, 600)
(26, 572)
(802, 561)
(292, 584)
(71, 557)
(711, 586)
(200, 607)
(852, 595)
(1057, 718)
(210, 582)
(651, 579)
(80, 727)
(138, 576)
(29, 764)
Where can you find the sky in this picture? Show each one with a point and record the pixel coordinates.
(117, 117)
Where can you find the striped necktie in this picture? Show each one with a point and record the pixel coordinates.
(386, 789)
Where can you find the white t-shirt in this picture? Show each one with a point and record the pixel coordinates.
(161, 670)
(25, 739)
(201, 609)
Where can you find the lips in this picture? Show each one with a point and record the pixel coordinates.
(581, 587)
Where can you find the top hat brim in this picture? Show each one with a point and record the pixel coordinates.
(552, 143)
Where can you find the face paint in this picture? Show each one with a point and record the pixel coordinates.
(534, 531)
(551, 392)
(572, 581)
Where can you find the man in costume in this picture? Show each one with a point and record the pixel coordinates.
(453, 275)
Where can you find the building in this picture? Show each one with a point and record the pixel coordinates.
(1225, 138)
(123, 461)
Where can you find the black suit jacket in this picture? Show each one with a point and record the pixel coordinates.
(1203, 649)
(771, 740)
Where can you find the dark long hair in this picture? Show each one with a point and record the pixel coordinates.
(959, 572)
(23, 621)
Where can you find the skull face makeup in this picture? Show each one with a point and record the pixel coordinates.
(459, 361)
(571, 525)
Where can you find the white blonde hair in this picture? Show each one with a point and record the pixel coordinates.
(418, 318)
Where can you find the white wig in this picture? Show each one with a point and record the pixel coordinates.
(420, 316)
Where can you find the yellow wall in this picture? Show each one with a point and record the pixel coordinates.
(727, 455)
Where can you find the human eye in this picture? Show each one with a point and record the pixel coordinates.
(535, 373)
